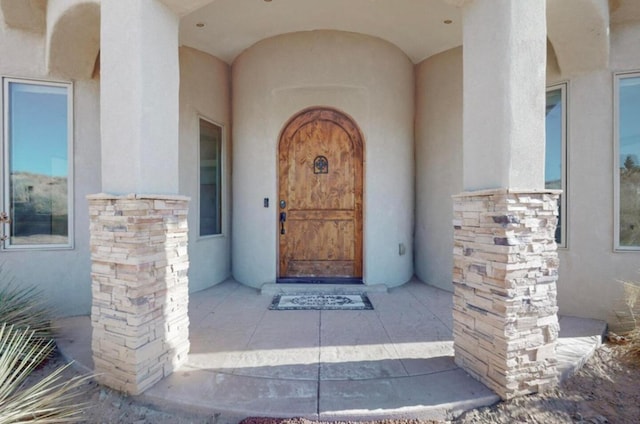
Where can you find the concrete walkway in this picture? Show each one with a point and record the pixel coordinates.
(395, 361)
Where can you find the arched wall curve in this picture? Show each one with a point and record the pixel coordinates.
(73, 37)
(579, 32)
(28, 15)
(369, 80)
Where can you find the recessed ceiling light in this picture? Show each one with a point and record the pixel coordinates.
(200, 24)
(447, 21)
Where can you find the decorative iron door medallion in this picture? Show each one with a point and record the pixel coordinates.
(321, 165)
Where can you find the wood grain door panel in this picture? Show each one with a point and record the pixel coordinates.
(323, 230)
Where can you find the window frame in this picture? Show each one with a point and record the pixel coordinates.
(5, 178)
(223, 183)
(617, 77)
(563, 200)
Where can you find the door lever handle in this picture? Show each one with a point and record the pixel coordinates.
(283, 218)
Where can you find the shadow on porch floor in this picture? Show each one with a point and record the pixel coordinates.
(391, 362)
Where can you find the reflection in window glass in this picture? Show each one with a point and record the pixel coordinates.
(210, 178)
(554, 153)
(629, 161)
(37, 167)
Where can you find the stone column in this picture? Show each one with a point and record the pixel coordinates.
(505, 272)
(139, 287)
(505, 259)
(139, 228)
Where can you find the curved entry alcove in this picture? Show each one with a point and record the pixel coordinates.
(320, 174)
(301, 87)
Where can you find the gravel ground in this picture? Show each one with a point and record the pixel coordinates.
(605, 390)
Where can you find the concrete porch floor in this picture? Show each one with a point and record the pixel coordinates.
(391, 362)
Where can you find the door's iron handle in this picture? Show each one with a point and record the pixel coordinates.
(283, 218)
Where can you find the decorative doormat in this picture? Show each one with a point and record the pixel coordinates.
(347, 302)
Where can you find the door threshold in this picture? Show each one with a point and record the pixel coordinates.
(319, 280)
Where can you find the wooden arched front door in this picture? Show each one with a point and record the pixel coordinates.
(321, 186)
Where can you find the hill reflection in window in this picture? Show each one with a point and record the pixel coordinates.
(38, 138)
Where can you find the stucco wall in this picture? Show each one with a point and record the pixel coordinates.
(22, 52)
(589, 267)
(368, 79)
(205, 88)
(63, 275)
(438, 163)
(204, 92)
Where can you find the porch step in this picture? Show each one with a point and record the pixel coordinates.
(271, 289)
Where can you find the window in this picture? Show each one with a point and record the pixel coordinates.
(210, 178)
(627, 162)
(556, 154)
(37, 165)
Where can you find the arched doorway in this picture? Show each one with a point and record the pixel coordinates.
(320, 171)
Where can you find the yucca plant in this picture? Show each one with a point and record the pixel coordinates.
(626, 322)
(26, 341)
(632, 298)
(50, 400)
(25, 307)
(634, 346)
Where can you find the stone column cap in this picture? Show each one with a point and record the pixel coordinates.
(134, 196)
(494, 191)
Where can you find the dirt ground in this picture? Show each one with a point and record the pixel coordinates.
(605, 390)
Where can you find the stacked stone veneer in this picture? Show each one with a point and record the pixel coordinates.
(504, 276)
(140, 288)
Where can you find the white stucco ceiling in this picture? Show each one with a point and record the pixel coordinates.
(415, 26)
